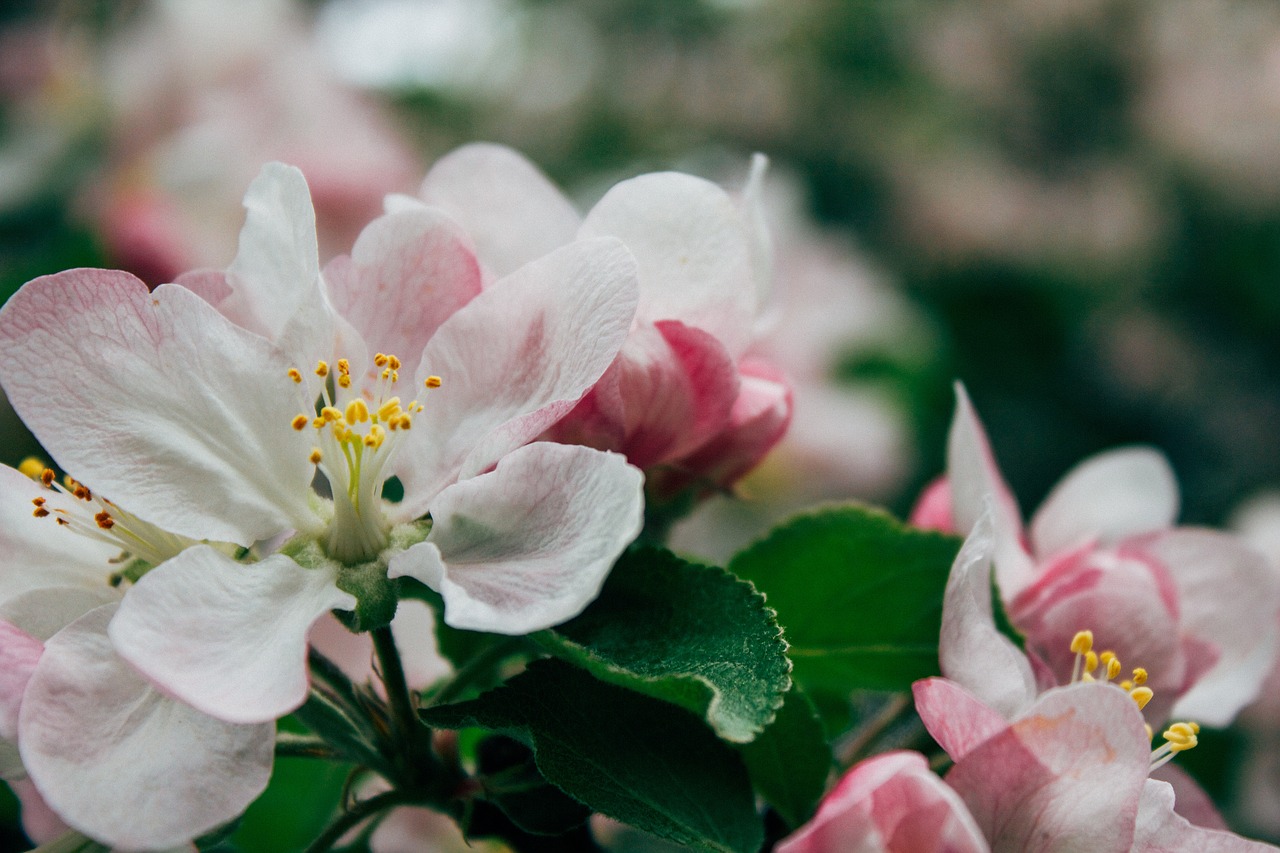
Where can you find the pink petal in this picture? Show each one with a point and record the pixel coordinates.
(19, 654)
(1107, 498)
(1229, 598)
(228, 638)
(513, 361)
(758, 421)
(694, 251)
(408, 273)
(508, 207)
(975, 479)
(528, 545)
(890, 803)
(933, 509)
(39, 822)
(671, 388)
(955, 718)
(971, 650)
(1192, 802)
(91, 729)
(157, 402)
(1162, 830)
(1066, 775)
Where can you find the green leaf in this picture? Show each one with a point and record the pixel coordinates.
(790, 762)
(511, 781)
(692, 635)
(858, 594)
(633, 758)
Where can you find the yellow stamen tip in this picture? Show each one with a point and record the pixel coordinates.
(1082, 643)
(295, 374)
(1142, 695)
(1113, 668)
(344, 381)
(357, 411)
(316, 456)
(432, 381)
(300, 422)
(1139, 676)
(31, 467)
(1090, 662)
(394, 362)
(322, 368)
(47, 477)
(330, 415)
(380, 360)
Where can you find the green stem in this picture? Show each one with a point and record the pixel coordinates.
(867, 733)
(404, 716)
(358, 813)
(290, 745)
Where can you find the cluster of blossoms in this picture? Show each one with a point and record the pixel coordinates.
(231, 435)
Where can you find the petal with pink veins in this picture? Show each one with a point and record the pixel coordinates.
(955, 718)
(1065, 775)
(159, 403)
(510, 209)
(1107, 498)
(694, 251)
(407, 274)
(529, 544)
(1228, 597)
(19, 654)
(228, 638)
(513, 361)
(124, 764)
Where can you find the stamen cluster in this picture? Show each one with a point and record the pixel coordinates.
(1179, 737)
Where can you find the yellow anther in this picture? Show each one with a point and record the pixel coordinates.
(357, 411)
(31, 467)
(105, 521)
(300, 422)
(295, 374)
(375, 437)
(322, 368)
(1180, 737)
(315, 456)
(389, 409)
(1139, 676)
(1113, 668)
(344, 366)
(1081, 644)
(1126, 685)
(344, 381)
(432, 381)
(380, 359)
(394, 362)
(80, 491)
(330, 415)
(47, 476)
(40, 512)
(404, 421)
(386, 373)
(38, 501)
(1150, 734)
(318, 423)
(1090, 662)
(1142, 695)
(395, 377)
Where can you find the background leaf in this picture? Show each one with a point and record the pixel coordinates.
(790, 762)
(690, 634)
(635, 759)
(858, 594)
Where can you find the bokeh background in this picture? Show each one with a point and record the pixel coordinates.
(1073, 206)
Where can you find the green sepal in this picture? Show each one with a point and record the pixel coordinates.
(636, 759)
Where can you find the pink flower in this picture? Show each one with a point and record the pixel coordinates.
(1102, 552)
(680, 396)
(1066, 769)
(892, 803)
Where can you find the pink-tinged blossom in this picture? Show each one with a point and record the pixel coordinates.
(193, 407)
(892, 803)
(1070, 768)
(680, 396)
(1102, 551)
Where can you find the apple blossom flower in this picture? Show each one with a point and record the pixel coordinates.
(1064, 769)
(682, 400)
(190, 407)
(890, 803)
(1102, 551)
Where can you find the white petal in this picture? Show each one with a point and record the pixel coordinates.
(510, 209)
(694, 249)
(971, 650)
(1107, 497)
(513, 361)
(157, 402)
(228, 638)
(124, 764)
(1228, 597)
(38, 553)
(277, 266)
(528, 545)
(976, 484)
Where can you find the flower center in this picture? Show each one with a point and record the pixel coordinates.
(1179, 737)
(357, 436)
(74, 507)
